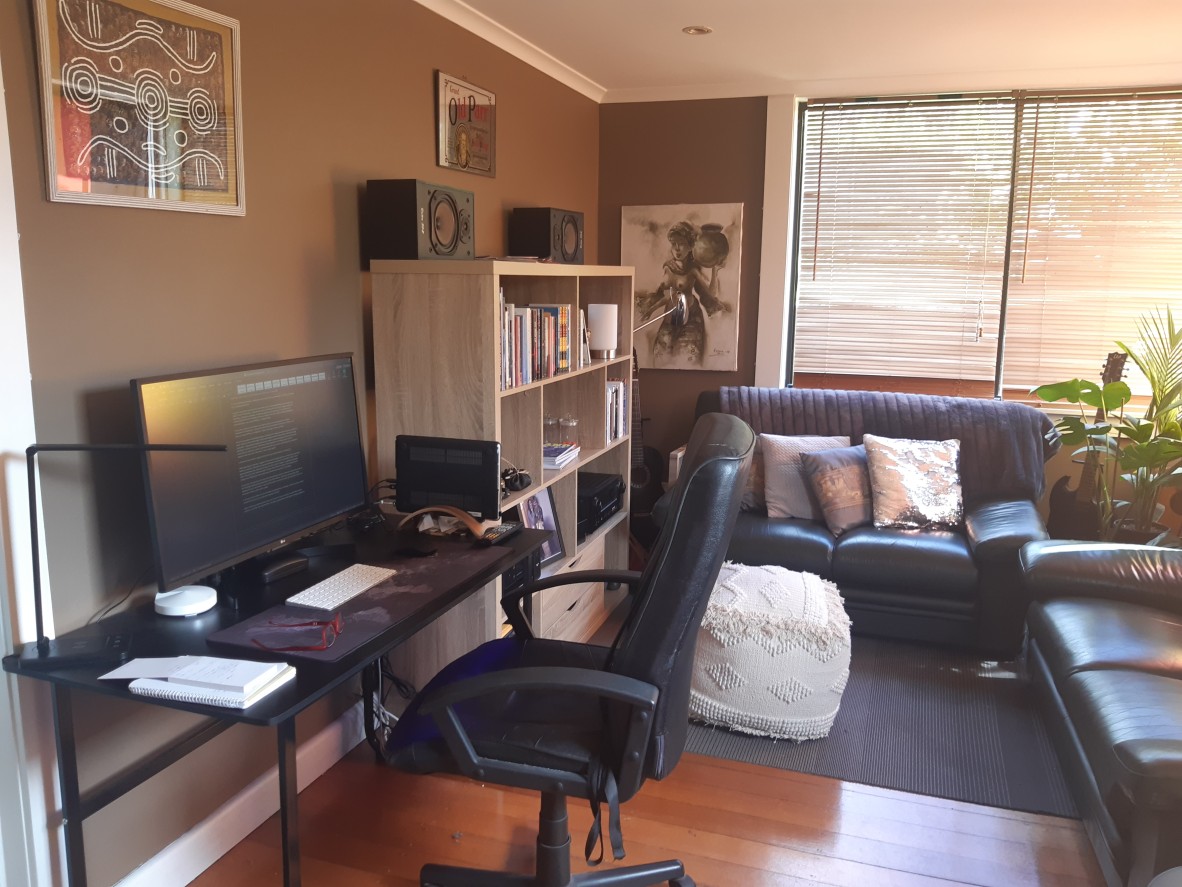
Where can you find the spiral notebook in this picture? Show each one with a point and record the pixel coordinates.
(164, 689)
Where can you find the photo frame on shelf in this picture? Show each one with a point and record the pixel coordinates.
(141, 104)
(538, 513)
(467, 117)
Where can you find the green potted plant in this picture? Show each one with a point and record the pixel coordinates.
(1129, 461)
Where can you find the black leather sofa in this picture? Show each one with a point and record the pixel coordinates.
(955, 587)
(1105, 654)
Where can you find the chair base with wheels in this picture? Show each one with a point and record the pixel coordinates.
(553, 863)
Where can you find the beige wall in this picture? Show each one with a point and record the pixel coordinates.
(686, 152)
(332, 94)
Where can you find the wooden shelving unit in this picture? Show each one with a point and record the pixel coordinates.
(437, 360)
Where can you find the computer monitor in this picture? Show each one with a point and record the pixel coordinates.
(294, 462)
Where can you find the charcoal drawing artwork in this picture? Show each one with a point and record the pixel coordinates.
(141, 106)
(689, 250)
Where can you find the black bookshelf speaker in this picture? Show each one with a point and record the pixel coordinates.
(548, 233)
(412, 219)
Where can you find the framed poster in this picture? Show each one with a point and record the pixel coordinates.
(692, 251)
(467, 126)
(141, 105)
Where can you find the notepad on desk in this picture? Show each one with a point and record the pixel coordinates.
(205, 680)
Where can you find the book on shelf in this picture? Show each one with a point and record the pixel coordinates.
(584, 341)
(616, 405)
(559, 455)
(167, 688)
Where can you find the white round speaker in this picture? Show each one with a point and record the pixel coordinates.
(188, 600)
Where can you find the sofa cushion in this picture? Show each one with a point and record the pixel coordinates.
(1130, 726)
(1003, 444)
(915, 483)
(788, 542)
(840, 481)
(1077, 634)
(753, 492)
(785, 488)
(927, 563)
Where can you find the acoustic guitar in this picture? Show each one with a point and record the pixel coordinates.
(646, 471)
(1075, 514)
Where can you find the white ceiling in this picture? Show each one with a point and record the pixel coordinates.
(633, 50)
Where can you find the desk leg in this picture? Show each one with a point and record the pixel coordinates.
(67, 775)
(289, 817)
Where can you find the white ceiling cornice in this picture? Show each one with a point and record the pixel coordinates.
(482, 26)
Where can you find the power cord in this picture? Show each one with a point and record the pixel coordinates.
(384, 680)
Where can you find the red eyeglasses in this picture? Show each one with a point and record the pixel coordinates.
(328, 632)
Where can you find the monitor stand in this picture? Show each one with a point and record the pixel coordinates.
(188, 600)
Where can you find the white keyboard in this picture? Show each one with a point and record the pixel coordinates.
(330, 593)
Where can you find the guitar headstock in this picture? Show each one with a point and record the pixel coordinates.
(1114, 367)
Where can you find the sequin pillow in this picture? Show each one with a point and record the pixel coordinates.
(915, 483)
(840, 480)
(784, 486)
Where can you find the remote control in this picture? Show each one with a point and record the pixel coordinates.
(500, 533)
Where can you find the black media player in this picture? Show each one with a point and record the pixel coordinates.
(600, 496)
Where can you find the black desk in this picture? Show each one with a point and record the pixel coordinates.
(154, 635)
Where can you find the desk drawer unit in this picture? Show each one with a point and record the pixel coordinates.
(573, 612)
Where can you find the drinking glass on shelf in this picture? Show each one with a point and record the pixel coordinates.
(551, 430)
(568, 429)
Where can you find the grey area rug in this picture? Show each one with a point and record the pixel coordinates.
(924, 720)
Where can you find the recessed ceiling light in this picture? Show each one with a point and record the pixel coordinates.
(697, 30)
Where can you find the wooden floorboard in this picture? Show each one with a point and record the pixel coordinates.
(363, 824)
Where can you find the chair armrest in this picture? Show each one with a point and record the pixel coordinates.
(997, 530)
(1138, 574)
(512, 601)
(640, 697)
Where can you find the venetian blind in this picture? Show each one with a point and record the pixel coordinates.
(1097, 238)
(902, 237)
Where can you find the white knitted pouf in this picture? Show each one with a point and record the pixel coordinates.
(773, 653)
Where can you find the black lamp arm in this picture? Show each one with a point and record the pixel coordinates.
(30, 460)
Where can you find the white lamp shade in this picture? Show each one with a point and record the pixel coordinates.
(602, 329)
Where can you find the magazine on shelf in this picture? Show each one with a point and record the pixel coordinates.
(558, 455)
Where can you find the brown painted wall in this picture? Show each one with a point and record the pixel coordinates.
(332, 94)
(685, 152)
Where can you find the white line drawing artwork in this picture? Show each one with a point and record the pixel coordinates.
(145, 103)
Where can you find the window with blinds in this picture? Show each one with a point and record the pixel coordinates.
(902, 234)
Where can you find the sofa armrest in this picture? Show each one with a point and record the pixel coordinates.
(998, 530)
(1138, 574)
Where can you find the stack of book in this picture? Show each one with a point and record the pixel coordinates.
(206, 680)
(559, 455)
(536, 342)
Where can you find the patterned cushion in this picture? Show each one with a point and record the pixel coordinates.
(753, 493)
(915, 483)
(840, 481)
(784, 486)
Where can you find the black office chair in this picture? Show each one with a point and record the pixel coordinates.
(579, 720)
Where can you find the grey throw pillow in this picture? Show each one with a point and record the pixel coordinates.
(840, 481)
(916, 483)
(784, 486)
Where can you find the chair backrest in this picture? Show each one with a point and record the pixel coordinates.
(657, 640)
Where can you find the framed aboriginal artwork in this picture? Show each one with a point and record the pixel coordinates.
(141, 104)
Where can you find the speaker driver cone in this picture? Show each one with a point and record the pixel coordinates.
(445, 223)
(569, 245)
